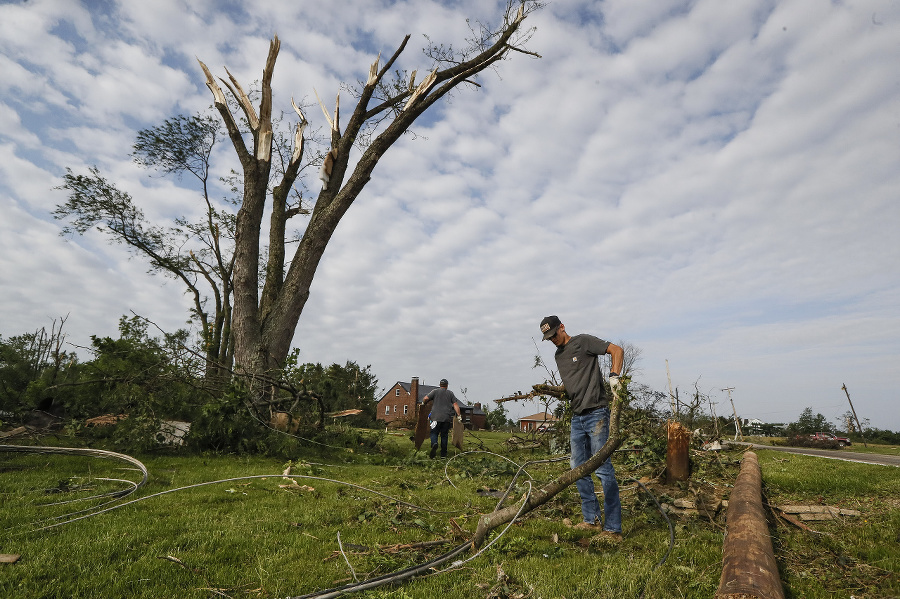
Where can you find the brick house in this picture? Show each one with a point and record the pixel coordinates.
(398, 406)
(537, 421)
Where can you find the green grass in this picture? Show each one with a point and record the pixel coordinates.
(252, 538)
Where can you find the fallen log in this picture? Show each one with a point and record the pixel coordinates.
(749, 569)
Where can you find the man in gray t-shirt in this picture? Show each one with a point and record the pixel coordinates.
(443, 406)
(577, 359)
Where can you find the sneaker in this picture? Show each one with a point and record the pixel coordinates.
(433, 451)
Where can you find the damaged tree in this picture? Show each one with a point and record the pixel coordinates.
(264, 323)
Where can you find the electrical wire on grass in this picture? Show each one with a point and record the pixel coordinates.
(344, 555)
(521, 469)
(228, 480)
(412, 571)
(101, 496)
(75, 451)
(390, 578)
(95, 453)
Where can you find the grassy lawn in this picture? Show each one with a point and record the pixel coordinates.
(268, 537)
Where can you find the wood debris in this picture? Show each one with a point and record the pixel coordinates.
(16, 431)
(817, 512)
(105, 420)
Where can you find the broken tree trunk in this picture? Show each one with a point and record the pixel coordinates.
(488, 522)
(677, 457)
(749, 569)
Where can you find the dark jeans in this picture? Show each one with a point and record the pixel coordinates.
(442, 429)
(589, 432)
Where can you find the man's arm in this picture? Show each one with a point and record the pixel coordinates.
(618, 359)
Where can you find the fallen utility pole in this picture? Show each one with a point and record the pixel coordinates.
(852, 409)
(749, 569)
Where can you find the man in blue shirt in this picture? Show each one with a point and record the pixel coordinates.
(577, 360)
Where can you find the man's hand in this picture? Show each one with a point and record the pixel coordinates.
(613, 381)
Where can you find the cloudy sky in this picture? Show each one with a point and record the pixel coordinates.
(712, 182)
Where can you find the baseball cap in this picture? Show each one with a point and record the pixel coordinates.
(444, 383)
(549, 326)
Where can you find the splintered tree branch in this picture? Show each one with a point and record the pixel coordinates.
(540, 390)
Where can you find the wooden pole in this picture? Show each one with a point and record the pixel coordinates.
(749, 569)
(852, 409)
(715, 419)
(671, 395)
(737, 423)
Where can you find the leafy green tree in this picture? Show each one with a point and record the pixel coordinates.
(497, 419)
(137, 372)
(198, 254)
(31, 366)
(809, 423)
(335, 389)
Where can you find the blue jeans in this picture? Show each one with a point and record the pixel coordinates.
(589, 432)
(442, 429)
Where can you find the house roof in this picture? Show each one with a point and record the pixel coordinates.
(540, 417)
(425, 390)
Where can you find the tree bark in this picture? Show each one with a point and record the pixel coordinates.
(677, 457)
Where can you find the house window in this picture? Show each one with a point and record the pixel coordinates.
(395, 408)
(387, 410)
(397, 393)
(405, 410)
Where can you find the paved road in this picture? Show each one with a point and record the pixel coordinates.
(836, 454)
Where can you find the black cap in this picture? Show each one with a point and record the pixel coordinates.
(444, 383)
(549, 326)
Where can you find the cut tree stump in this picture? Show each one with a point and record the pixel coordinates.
(677, 457)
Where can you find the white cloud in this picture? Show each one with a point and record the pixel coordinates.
(713, 184)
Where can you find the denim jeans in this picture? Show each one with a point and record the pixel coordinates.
(589, 432)
(442, 429)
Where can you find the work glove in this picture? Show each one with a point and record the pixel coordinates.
(613, 381)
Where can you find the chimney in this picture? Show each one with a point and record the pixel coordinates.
(477, 406)
(414, 390)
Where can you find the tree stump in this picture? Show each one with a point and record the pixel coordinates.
(677, 460)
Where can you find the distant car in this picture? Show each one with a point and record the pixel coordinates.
(841, 441)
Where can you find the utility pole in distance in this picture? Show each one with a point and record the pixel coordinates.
(852, 409)
(737, 423)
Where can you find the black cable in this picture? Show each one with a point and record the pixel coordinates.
(671, 532)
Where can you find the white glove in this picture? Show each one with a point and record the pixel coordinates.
(613, 381)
